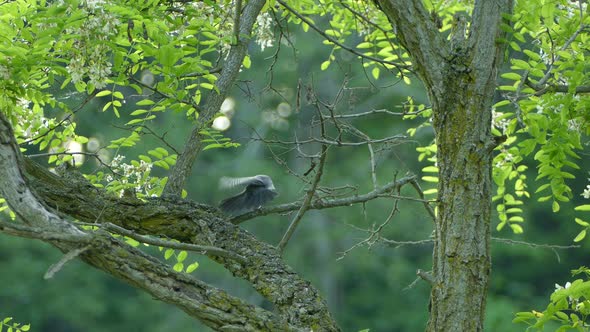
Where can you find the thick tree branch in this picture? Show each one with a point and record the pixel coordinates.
(212, 306)
(486, 51)
(419, 35)
(227, 77)
(296, 300)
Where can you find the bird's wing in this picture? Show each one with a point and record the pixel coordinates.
(234, 205)
(258, 197)
(231, 183)
(251, 198)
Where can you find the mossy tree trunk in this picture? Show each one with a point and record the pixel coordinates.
(459, 73)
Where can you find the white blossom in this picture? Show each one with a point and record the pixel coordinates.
(264, 33)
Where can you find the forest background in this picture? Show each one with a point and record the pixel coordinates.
(361, 283)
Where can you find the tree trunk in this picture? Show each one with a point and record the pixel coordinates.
(459, 73)
(461, 258)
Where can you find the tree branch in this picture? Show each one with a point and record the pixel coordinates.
(175, 245)
(542, 89)
(212, 306)
(74, 253)
(419, 35)
(310, 193)
(487, 17)
(296, 300)
(320, 204)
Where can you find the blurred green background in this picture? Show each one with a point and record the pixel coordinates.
(366, 288)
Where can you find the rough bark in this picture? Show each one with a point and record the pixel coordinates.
(460, 77)
(32, 192)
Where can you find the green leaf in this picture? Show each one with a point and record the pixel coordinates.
(325, 65)
(503, 102)
(168, 253)
(555, 206)
(247, 62)
(585, 207)
(156, 154)
(532, 55)
(213, 146)
(134, 121)
(162, 164)
(580, 236)
(516, 228)
(192, 267)
(520, 64)
(132, 242)
(207, 86)
(582, 222)
(104, 93)
(145, 158)
(375, 73)
(433, 179)
(145, 102)
(178, 267)
(365, 45)
(139, 112)
(430, 169)
(181, 256)
(515, 46)
(162, 151)
(516, 219)
(511, 76)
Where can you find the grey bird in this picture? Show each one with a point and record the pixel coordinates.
(258, 190)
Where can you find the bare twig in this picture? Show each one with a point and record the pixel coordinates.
(416, 186)
(161, 138)
(379, 111)
(169, 244)
(551, 247)
(426, 276)
(338, 143)
(372, 163)
(89, 154)
(375, 233)
(325, 203)
(53, 269)
(309, 196)
(534, 245)
(398, 244)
